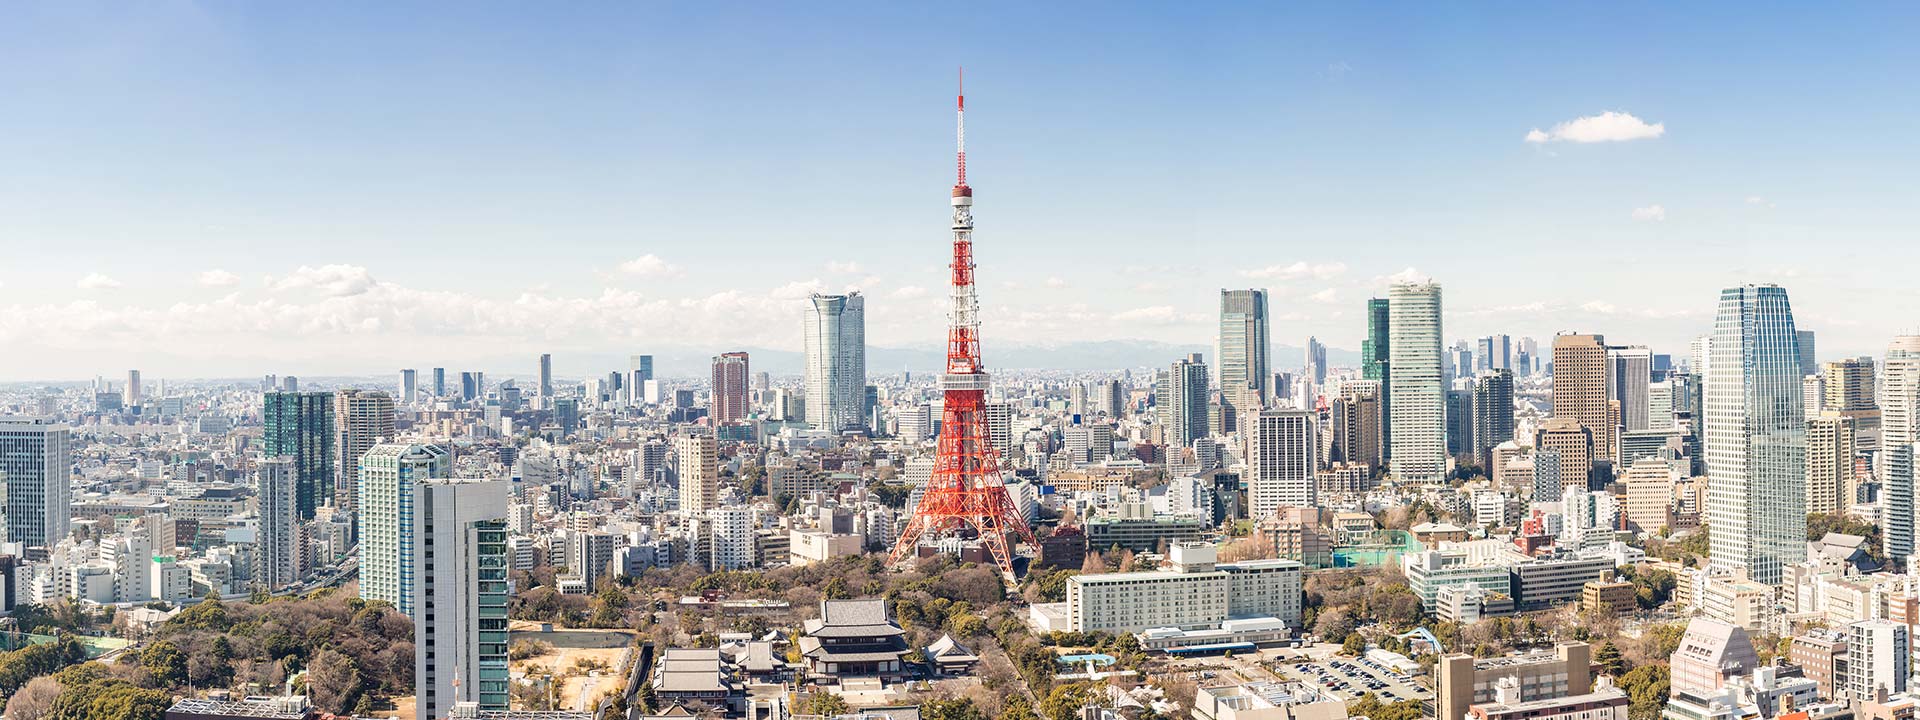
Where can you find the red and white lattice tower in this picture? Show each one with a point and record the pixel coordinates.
(966, 489)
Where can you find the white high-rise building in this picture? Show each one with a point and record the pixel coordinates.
(836, 338)
(409, 385)
(1416, 399)
(732, 538)
(37, 467)
(1755, 436)
(1877, 657)
(699, 473)
(1660, 405)
(133, 394)
(1899, 430)
(915, 424)
(389, 473)
(275, 485)
(460, 633)
(1281, 460)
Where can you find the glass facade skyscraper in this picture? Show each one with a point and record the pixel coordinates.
(1242, 352)
(836, 372)
(1756, 440)
(300, 425)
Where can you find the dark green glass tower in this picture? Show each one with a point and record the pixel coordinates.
(299, 425)
(1373, 350)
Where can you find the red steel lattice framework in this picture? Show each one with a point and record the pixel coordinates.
(966, 488)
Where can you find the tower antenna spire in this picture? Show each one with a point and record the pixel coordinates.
(961, 104)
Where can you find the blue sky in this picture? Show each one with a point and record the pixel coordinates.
(232, 188)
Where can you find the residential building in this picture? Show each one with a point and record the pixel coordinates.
(300, 425)
(1417, 402)
(1878, 653)
(1899, 430)
(1182, 401)
(361, 418)
(276, 561)
(1830, 452)
(1492, 414)
(730, 388)
(699, 472)
(1281, 448)
(389, 476)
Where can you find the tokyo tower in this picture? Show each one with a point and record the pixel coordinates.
(966, 488)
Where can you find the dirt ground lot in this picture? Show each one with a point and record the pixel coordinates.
(582, 691)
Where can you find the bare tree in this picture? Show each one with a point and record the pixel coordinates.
(34, 700)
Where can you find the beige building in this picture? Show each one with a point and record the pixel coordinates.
(699, 473)
(1462, 681)
(1580, 388)
(1831, 445)
(1650, 483)
(1577, 445)
(361, 419)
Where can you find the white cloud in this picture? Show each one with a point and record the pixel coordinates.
(649, 265)
(1297, 270)
(910, 292)
(218, 278)
(1409, 275)
(1757, 201)
(96, 281)
(1598, 306)
(848, 267)
(799, 289)
(1650, 213)
(1157, 314)
(329, 280)
(1608, 126)
(1325, 296)
(1054, 282)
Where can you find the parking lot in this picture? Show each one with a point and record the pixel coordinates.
(1348, 678)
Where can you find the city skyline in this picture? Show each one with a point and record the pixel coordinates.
(325, 263)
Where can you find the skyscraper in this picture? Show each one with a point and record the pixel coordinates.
(1316, 361)
(1848, 387)
(1281, 460)
(836, 339)
(1492, 414)
(699, 473)
(1580, 387)
(1630, 371)
(300, 425)
(389, 473)
(461, 560)
(639, 372)
(276, 562)
(36, 465)
(1417, 401)
(1376, 364)
(1899, 430)
(361, 418)
(133, 390)
(1756, 436)
(1830, 451)
(730, 387)
(1242, 348)
(1182, 401)
(1805, 356)
(1460, 442)
(1571, 443)
(1495, 353)
(439, 382)
(409, 385)
(546, 375)
(1357, 419)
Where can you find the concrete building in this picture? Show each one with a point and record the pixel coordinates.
(1573, 446)
(1580, 387)
(1417, 401)
(1461, 681)
(1878, 653)
(1606, 702)
(1831, 448)
(699, 471)
(461, 561)
(1710, 654)
(732, 538)
(1196, 593)
(1281, 460)
(1650, 483)
(1181, 400)
(1899, 430)
(730, 375)
(361, 418)
(36, 464)
(389, 475)
(276, 561)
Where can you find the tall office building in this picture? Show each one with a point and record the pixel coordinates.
(1182, 401)
(639, 373)
(1315, 362)
(699, 473)
(36, 466)
(361, 419)
(1376, 364)
(461, 558)
(1357, 421)
(1629, 372)
(1281, 460)
(1416, 400)
(132, 392)
(1580, 380)
(300, 425)
(1805, 357)
(1495, 353)
(730, 387)
(1492, 414)
(1899, 430)
(1572, 445)
(389, 474)
(1848, 386)
(1109, 398)
(1660, 405)
(546, 375)
(1756, 436)
(409, 385)
(1830, 452)
(1242, 349)
(276, 559)
(836, 339)
(439, 382)
(1460, 442)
